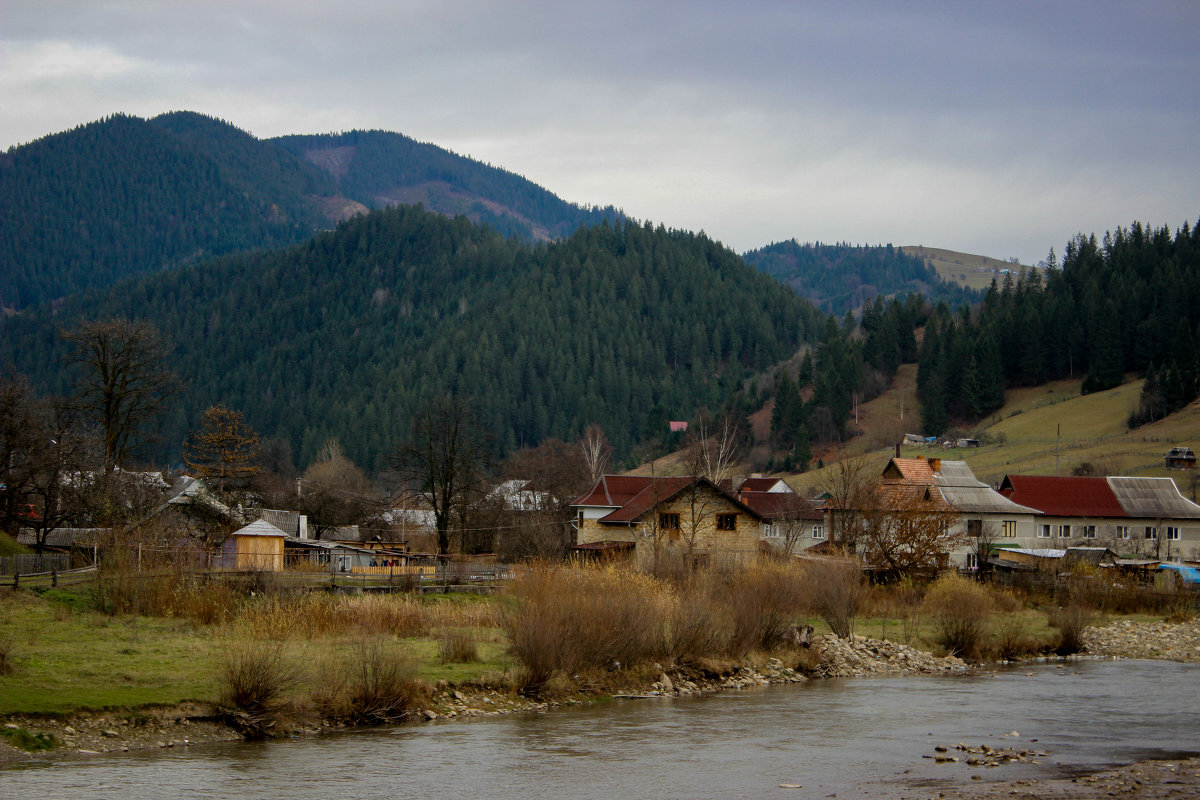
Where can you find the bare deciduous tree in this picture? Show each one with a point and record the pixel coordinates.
(715, 447)
(847, 487)
(444, 460)
(124, 381)
(335, 493)
(907, 530)
(597, 453)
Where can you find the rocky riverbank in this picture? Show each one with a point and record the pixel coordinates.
(194, 723)
(1164, 641)
(1172, 779)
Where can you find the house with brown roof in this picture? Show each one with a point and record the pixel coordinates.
(1132, 516)
(790, 523)
(649, 519)
(941, 503)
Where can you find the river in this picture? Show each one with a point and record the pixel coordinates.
(853, 738)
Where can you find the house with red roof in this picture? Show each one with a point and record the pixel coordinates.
(649, 519)
(1132, 516)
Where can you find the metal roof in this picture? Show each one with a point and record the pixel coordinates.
(1156, 498)
(259, 528)
(1064, 496)
(981, 499)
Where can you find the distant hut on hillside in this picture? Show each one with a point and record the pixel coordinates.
(1180, 458)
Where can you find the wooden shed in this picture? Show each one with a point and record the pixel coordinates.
(258, 546)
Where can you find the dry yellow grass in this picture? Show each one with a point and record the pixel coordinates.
(975, 272)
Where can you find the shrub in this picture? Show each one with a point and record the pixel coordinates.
(381, 687)
(256, 675)
(699, 626)
(457, 646)
(837, 590)
(1070, 622)
(7, 665)
(568, 619)
(763, 600)
(29, 742)
(958, 610)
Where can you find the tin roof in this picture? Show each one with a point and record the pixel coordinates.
(1158, 498)
(259, 528)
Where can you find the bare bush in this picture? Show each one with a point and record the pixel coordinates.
(256, 676)
(1070, 621)
(763, 600)
(699, 627)
(837, 590)
(958, 609)
(7, 665)
(569, 619)
(382, 687)
(457, 646)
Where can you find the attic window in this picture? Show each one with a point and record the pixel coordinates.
(669, 521)
(727, 522)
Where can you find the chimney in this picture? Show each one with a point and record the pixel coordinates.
(303, 532)
(935, 464)
(897, 449)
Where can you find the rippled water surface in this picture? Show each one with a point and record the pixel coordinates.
(851, 737)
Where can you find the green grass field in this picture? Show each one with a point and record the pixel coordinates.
(65, 659)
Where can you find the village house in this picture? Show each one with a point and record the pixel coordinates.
(790, 523)
(648, 519)
(1132, 516)
(946, 498)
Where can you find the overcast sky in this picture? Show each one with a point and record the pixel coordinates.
(994, 128)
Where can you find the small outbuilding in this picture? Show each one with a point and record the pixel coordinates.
(1180, 458)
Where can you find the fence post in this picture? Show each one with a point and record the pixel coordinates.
(16, 579)
(54, 577)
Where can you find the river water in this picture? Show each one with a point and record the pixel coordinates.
(853, 738)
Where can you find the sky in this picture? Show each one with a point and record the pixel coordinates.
(997, 128)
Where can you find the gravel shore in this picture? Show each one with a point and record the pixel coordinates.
(194, 723)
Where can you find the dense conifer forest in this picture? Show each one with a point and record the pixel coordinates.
(620, 324)
(842, 277)
(124, 196)
(1129, 303)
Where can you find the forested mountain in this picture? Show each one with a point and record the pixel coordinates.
(842, 277)
(347, 334)
(124, 196)
(378, 169)
(1129, 303)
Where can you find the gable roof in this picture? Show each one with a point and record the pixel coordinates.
(780, 505)
(1062, 496)
(948, 484)
(632, 496)
(259, 528)
(911, 470)
(1153, 497)
(1116, 497)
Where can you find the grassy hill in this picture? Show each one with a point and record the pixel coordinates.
(974, 272)
(1040, 430)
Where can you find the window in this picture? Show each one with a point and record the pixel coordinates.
(1122, 531)
(818, 531)
(1089, 531)
(668, 521)
(727, 522)
(975, 527)
(1064, 531)
(1008, 529)
(1172, 534)
(1151, 532)
(972, 561)
(768, 530)
(1043, 531)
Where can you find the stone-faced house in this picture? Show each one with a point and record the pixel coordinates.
(652, 518)
(1132, 516)
(789, 522)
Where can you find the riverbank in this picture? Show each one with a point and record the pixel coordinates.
(1171, 779)
(186, 724)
